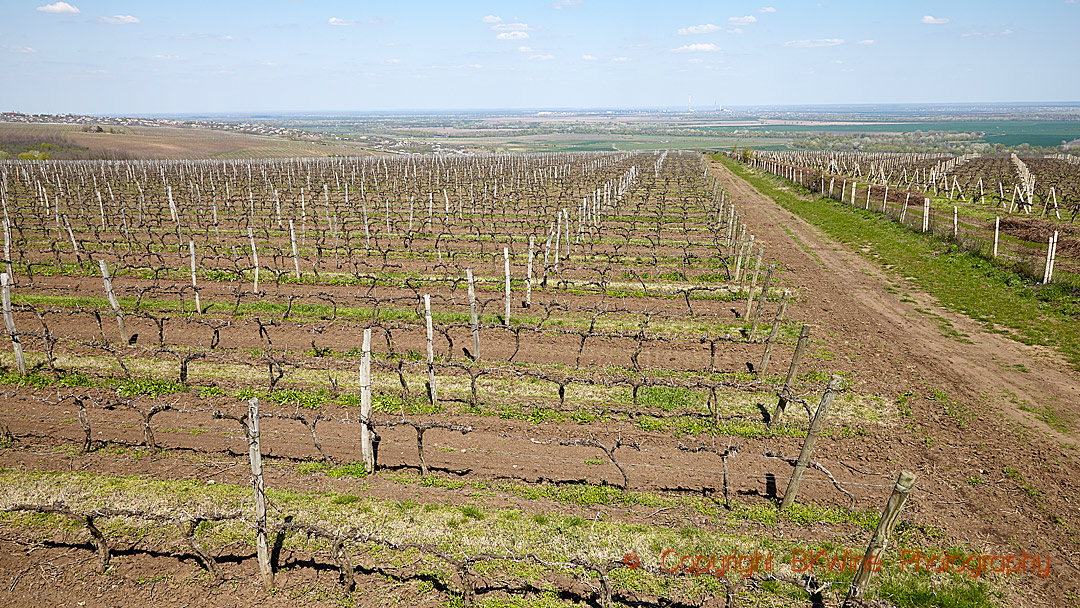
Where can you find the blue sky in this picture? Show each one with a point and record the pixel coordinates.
(140, 57)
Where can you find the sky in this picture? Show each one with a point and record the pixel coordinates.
(137, 57)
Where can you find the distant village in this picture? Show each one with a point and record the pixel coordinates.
(106, 121)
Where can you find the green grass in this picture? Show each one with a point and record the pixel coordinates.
(982, 289)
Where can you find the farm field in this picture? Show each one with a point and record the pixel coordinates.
(177, 143)
(575, 358)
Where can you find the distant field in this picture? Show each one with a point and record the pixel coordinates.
(1007, 132)
(177, 143)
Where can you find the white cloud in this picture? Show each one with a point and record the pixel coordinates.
(167, 57)
(512, 27)
(512, 36)
(707, 28)
(491, 19)
(395, 60)
(805, 44)
(694, 60)
(541, 57)
(747, 20)
(735, 30)
(868, 41)
(476, 66)
(59, 7)
(525, 49)
(620, 59)
(343, 22)
(20, 49)
(1007, 33)
(588, 57)
(934, 20)
(378, 21)
(120, 20)
(766, 9)
(694, 48)
(561, 4)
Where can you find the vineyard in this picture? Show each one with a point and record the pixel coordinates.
(1023, 210)
(567, 336)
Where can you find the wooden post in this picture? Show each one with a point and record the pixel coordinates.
(255, 453)
(1053, 258)
(367, 451)
(430, 351)
(889, 518)
(558, 233)
(472, 313)
(7, 249)
(772, 335)
(113, 302)
(506, 268)
(71, 235)
(926, 215)
(811, 438)
(997, 231)
(9, 320)
(793, 370)
(761, 301)
(254, 261)
(753, 283)
(955, 221)
(194, 283)
(295, 253)
(1046, 266)
(528, 277)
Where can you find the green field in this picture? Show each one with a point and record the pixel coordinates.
(1007, 132)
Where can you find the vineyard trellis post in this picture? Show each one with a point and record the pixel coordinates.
(262, 548)
(793, 370)
(113, 302)
(472, 313)
(506, 269)
(9, 320)
(367, 451)
(194, 283)
(889, 517)
(254, 261)
(997, 231)
(773, 334)
(432, 395)
(529, 275)
(811, 438)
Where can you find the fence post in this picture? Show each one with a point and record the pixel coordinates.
(113, 302)
(255, 453)
(793, 370)
(16, 345)
(811, 438)
(926, 215)
(472, 312)
(367, 451)
(871, 561)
